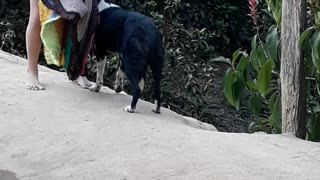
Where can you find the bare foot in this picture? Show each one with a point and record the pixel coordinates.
(33, 83)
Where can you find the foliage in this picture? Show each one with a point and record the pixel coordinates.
(194, 33)
(258, 74)
(13, 18)
(310, 43)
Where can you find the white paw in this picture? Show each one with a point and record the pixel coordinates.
(95, 88)
(129, 109)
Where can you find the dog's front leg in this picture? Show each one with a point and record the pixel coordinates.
(100, 72)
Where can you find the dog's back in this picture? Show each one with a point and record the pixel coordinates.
(142, 40)
(118, 25)
(130, 33)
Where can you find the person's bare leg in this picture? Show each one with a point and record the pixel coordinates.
(33, 43)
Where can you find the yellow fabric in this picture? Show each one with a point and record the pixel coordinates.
(52, 34)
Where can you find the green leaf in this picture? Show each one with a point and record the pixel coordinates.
(233, 86)
(316, 109)
(275, 109)
(272, 101)
(267, 12)
(305, 43)
(272, 44)
(235, 55)
(238, 87)
(242, 67)
(268, 91)
(314, 127)
(243, 63)
(261, 55)
(278, 13)
(229, 80)
(251, 85)
(305, 36)
(318, 88)
(315, 50)
(254, 42)
(254, 60)
(275, 7)
(264, 77)
(255, 104)
(263, 122)
(222, 60)
(258, 57)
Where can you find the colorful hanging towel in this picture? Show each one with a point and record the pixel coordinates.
(67, 30)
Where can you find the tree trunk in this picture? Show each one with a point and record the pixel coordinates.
(293, 83)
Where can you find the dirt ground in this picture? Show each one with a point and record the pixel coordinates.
(211, 107)
(66, 132)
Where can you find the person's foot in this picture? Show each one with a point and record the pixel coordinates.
(83, 82)
(33, 83)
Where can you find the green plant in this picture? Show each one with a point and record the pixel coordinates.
(310, 44)
(257, 74)
(13, 18)
(253, 74)
(194, 32)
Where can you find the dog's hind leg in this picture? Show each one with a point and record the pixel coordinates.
(156, 65)
(100, 72)
(156, 72)
(135, 97)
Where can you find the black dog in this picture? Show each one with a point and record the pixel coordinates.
(136, 38)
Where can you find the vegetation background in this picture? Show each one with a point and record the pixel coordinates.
(200, 37)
